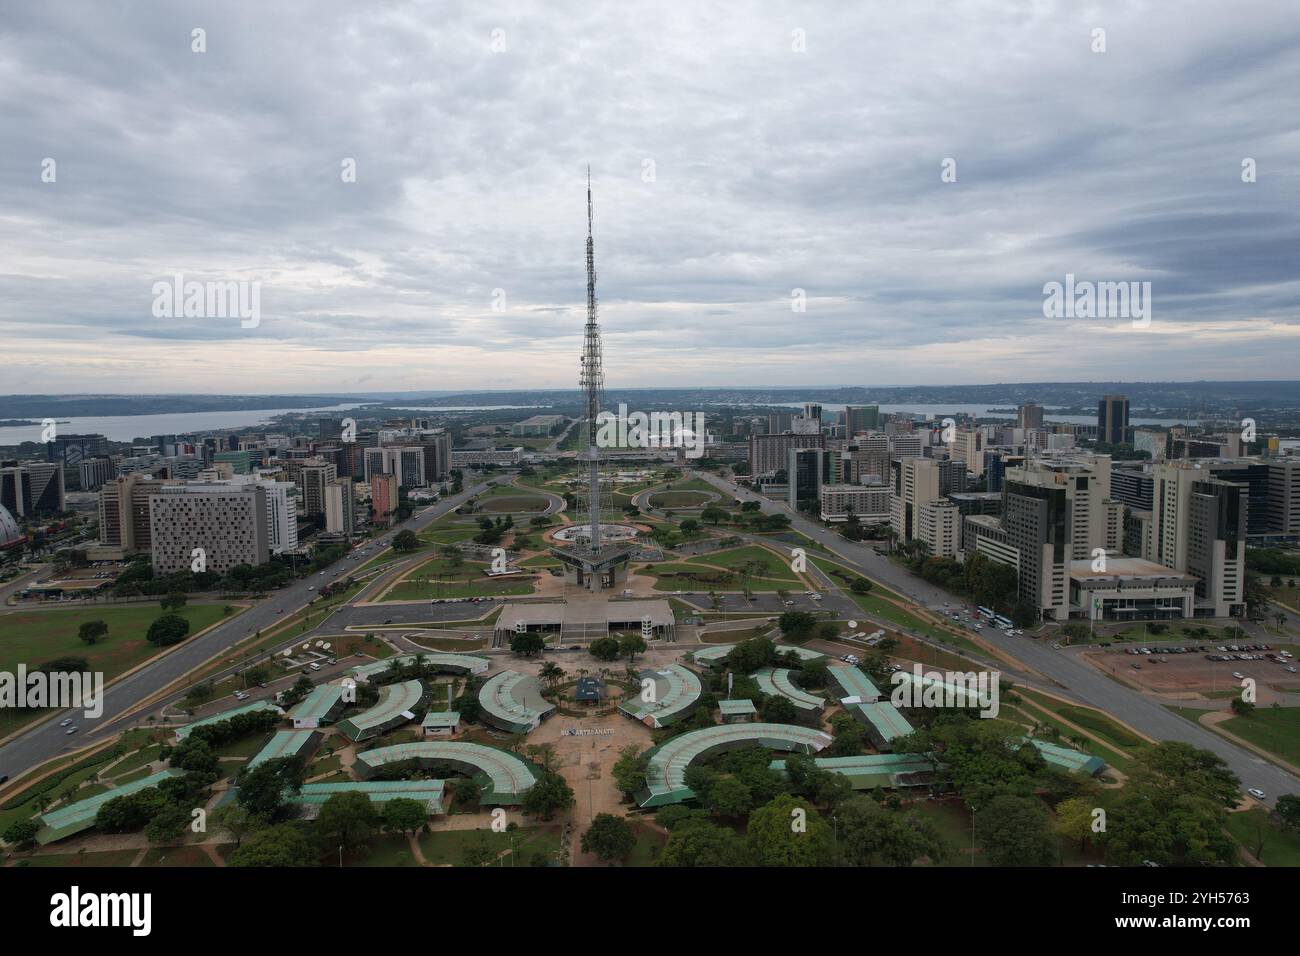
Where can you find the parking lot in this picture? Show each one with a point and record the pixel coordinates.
(1203, 668)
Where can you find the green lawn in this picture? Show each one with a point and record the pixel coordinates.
(1275, 729)
(447, 846)
(387, 849)
(679, 499)
(32, 637)
(176, 856)
(649, 844)
(1252, 828)
(423, 590)
(107, 858)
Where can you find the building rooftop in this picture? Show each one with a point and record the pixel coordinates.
(75, 817)
(1133, 569)
(428, 792)
(666, 772)
(503, 776)
(444, 662)
(737, 708)
(677, 689)
(776, 682)
(318, 704)
(258, 705)
(515, 699)
(395, 701)
(441, 718)
(285, 743)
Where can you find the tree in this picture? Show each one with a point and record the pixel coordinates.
(168, 825)
(1242, 707)
(551, 674)
(278, 846)
(262, 789)
(404, 815)
(527, 643)
(604, 649)
(22, 833)
(631, 644)
(690, 526)
(714, 515)
(1288, 810)
(347, 820)
(630, 769)
(477, 852)
(730, 797)
(797, 626)
(92, 631)
(235, 820)
(788, 832)
(1074, 820)
(609, 837)
(860, 586)
(778, 710)
(173, 601)
(1016, 831)
(167, 630)
(698, 842)
(547, 795)
(406, 540)
(871, 835)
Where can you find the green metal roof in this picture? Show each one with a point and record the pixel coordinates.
(714, 653)
(853, 683)
(952, 694)
(285, 743)
(428, 792)
(677, 690)
(444, 662)
(666, 772)
(513, 701)
(1074, 760)
(885, 718)
(65, 821)
(394, 701)
(504, 777)
(867, 771)
(318, 704)
(776, 682)
(736, 708)
(184, 731)
(441, 718)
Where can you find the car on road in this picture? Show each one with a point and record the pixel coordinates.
(1056, 647)
(787, 603)
(4, 778)
(70, 730)
(314, 666)
(1238, 674)
(66, 723)
(1257, 793)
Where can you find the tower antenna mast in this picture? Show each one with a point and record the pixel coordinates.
(592, 382)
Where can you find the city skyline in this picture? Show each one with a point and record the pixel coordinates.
(733, 169)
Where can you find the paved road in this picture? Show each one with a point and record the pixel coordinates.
(1084, 681)
(47, 739)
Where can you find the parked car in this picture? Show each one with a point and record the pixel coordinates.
(1238, 674)
(1257, 793)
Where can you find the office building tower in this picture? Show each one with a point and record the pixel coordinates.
(1284, 496)
(383, 498)
(770, 454)
(313, 477)
(340, 508)
(1029, 415)
(93, 472)
(915, 481)
(226, 527)
(861, 418)
(32, 489)
(1112, 419)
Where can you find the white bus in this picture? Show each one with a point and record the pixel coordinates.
(1002, 622)
(986, 613)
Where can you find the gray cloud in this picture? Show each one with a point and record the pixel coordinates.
(774, 170)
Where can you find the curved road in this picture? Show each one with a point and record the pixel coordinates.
(46, 740)
(1084, 681)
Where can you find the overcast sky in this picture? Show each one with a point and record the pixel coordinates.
(729, 169)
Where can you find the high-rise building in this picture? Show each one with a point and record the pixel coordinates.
(769, 454)
(227, 527)
(1029, 415)
(94, 472)
(1112, 419)
(31, 489)
(861, 418)
(1284, 496)
(407, 462)
(807, 470)
(915, 481)
(383, 498)
(240, 461)
(313, 478)
(340, 508)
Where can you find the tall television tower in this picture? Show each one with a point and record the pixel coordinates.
(592, 382)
